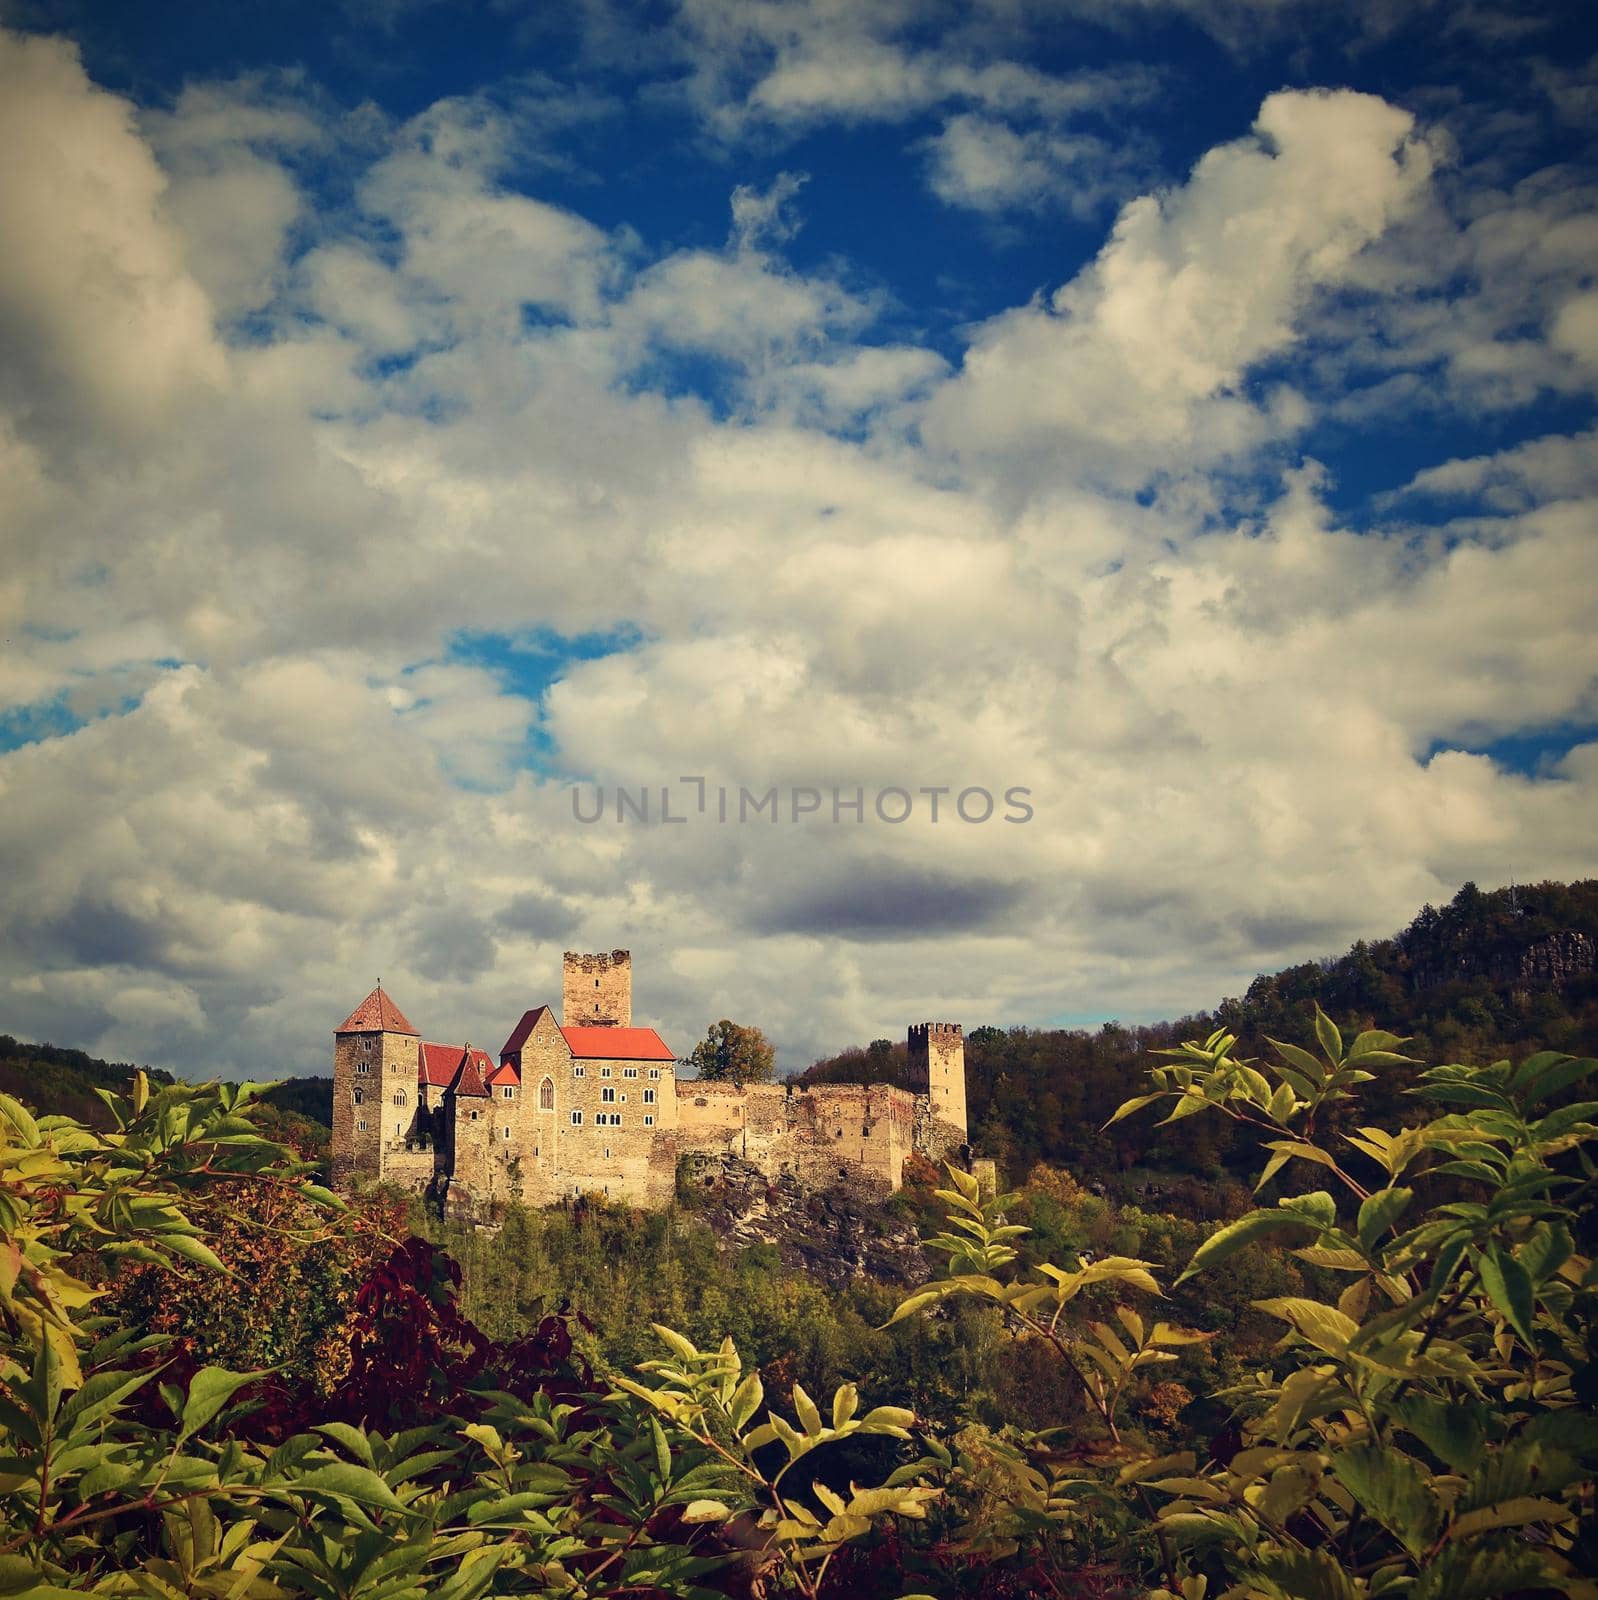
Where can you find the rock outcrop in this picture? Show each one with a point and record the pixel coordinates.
(837, 1235)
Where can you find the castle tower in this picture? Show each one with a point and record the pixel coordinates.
(937, 1060)
(466, 1115)
(374, 1086)
(597, 990)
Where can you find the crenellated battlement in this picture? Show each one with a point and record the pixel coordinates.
(597, 989)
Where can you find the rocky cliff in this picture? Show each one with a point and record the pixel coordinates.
(836, 1235)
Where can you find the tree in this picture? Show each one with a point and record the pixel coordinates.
(732, 1053)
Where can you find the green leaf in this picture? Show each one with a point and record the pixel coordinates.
(1375, 1039)
(1455, 1431)
(1227, 1241)
(1127, 1107)
(746, 1400)
(1472, 1572)
(1392, 1487)
(1547, 1073)
(1378, 1213)
(1508, 1286)
(805, 1408)
(1324, 1326)
(351, 1438)
(345, 1480)
(1509, 1514)
(210, 1390)
(1331, 1041)
(191, 1249)
(1314, 1071)
(682, 1348)
(1317, 1205)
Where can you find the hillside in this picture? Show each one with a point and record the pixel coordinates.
(1505, 972)
(59, 1081)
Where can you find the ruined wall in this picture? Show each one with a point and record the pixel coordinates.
(597, 990)
(819, 1136)
(853, 1132)
(412, 1170)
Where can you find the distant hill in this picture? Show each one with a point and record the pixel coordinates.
(59, 1081)
(50, 1078)
(1505, 972)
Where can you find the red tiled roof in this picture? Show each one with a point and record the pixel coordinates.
(468, 1075)
(437, 1064)
(505, 1073)
(616, 1044)
(375, 1013)
(523, 1029)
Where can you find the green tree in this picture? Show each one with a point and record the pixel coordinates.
(733, 1053)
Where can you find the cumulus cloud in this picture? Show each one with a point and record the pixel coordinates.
(851, 562)
(101, 316)
(1137, 363)
(986, 165)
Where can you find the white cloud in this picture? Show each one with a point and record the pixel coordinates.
(986, 165)
(1136, 365)
(100, 313)
(869, 568)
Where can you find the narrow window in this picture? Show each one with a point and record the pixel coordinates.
(508, 1092)
(546, 1095)
(504, 1133)
(604, 1072)
(649, 1097)
(360, 1127)
(579, 1071)
(357, 1094)
(577, 1119)
(649, 1122)
(607, 1094)
(629, 1072)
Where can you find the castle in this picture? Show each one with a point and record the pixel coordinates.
(589, 1104)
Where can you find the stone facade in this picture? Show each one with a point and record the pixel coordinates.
(597, 989)
(590, 1104)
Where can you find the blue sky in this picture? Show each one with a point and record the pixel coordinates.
(1181, 409)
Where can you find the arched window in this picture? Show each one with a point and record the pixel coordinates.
(399, 1097)
(546, 1095)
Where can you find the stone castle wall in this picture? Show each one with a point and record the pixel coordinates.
(818, 1135)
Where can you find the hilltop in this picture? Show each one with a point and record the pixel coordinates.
(1494, 973)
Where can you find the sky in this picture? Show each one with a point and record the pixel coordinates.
(1167, 423)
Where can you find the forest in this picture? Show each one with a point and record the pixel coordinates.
(1271, 1307)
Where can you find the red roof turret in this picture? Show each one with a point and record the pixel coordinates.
(376, 1014)
(469, 1076)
